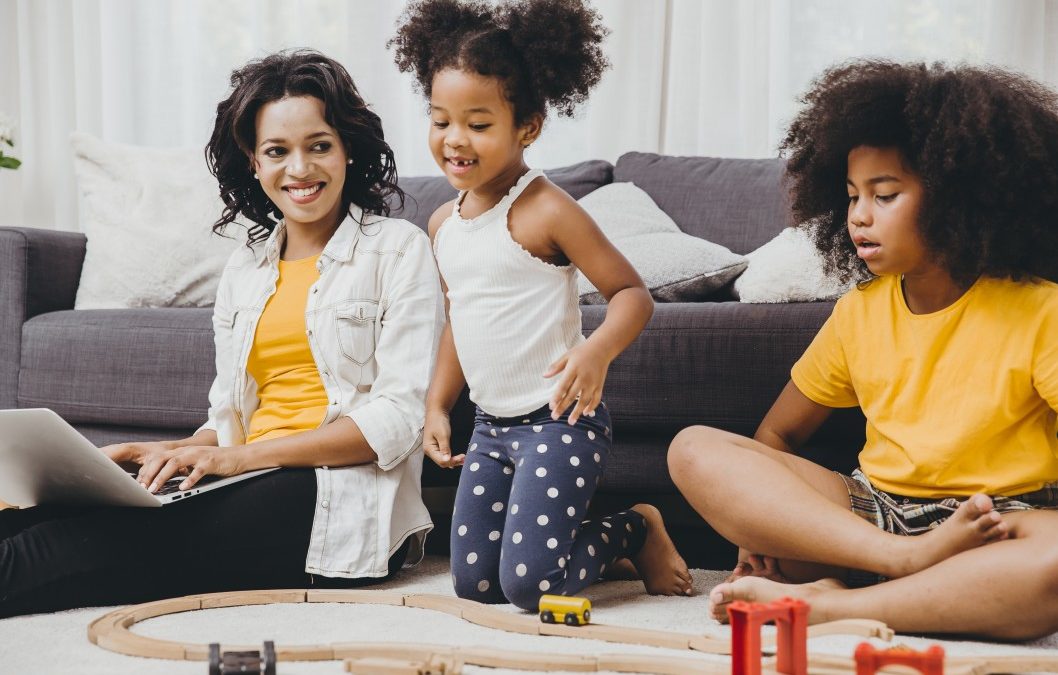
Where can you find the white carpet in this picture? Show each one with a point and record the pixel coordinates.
(56, 643)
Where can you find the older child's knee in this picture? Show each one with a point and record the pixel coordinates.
(692, 449)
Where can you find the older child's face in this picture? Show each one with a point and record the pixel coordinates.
(300, 161)
(473, 136)
(884, 202)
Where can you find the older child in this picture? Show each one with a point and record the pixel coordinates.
(949, 205)
(509, 248)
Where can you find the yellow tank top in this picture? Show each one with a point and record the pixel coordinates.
(292, 397)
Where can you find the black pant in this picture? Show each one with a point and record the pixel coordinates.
(251, 535)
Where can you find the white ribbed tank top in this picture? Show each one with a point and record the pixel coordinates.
(512, 314)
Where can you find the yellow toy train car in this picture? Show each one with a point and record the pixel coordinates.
(570, 611)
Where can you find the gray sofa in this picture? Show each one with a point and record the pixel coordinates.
(145, 373)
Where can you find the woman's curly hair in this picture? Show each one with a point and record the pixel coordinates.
(983, 141)
(369, 180)
(546, 53)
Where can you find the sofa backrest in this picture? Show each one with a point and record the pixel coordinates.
(737, 203)
(423, 194)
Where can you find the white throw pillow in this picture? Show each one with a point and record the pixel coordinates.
(148, 214)
(675, 266)
(787, 269)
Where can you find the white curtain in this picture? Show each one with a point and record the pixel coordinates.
(689, 77)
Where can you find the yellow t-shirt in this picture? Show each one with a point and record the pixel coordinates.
(957, 401)
(292, 397)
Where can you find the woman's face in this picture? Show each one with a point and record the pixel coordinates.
(300, 161)
(884, 202)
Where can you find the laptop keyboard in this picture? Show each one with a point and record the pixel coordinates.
(173, 484)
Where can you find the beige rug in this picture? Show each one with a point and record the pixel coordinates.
(56, 643)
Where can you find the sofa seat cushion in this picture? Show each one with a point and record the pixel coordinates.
(135, 367)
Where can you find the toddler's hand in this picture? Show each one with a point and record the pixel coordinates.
(583, 371)
(436, 439)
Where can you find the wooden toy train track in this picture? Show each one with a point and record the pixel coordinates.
(111, 632)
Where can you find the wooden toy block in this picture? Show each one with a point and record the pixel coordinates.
(865, 628)
(662, 665)
(791, 618)
(125, 642)
(107, 623)
(710, 645)
(239, 599)
(355, 596)
(392, 651)
(494, 618)
(869, 659)
(440, 603)
(305, 653)
(521, 660)
(379, 666)
(635, 636)
(162, 607)
(1040, 662)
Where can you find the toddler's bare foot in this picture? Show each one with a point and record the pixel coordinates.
(759, 589)
(660, 566)
(973, 524)
(621, 569)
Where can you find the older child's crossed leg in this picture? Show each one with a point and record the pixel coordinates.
(780, 505)
(1005, 591)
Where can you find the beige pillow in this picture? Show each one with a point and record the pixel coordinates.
(675, 266)
(787, 269)
(147, 214)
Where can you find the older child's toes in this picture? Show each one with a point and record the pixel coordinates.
(719, 598)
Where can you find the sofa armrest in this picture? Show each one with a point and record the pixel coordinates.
(39, 272)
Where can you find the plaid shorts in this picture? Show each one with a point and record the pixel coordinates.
(909, 516)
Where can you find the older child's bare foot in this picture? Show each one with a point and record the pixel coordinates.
(621, 569)
(659, 564)
(973, 524)
(759, 589)
(757, 566)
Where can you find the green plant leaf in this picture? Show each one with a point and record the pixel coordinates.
(9, 163)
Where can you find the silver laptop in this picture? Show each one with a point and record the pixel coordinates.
(43, 460)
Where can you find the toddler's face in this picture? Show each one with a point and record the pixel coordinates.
(473, 137)
(884, 202)
(300, 161)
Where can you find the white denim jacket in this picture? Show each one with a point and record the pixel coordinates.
(374, 319)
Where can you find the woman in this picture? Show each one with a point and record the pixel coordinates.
(326, 327)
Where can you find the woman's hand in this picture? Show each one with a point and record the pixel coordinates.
(583, 371)
(159, 462)
(437, 438)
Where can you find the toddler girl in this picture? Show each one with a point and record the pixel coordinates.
(509, 248)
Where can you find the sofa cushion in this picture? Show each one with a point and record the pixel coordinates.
(788, 268)
(675, 266)
(147, 214)
(737, 203)
(424, 194)
(134, 367)
(716, 363)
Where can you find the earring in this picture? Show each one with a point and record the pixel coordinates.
(256, 177)
(349, 161)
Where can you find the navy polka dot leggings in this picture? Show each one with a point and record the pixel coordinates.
(518, 528)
